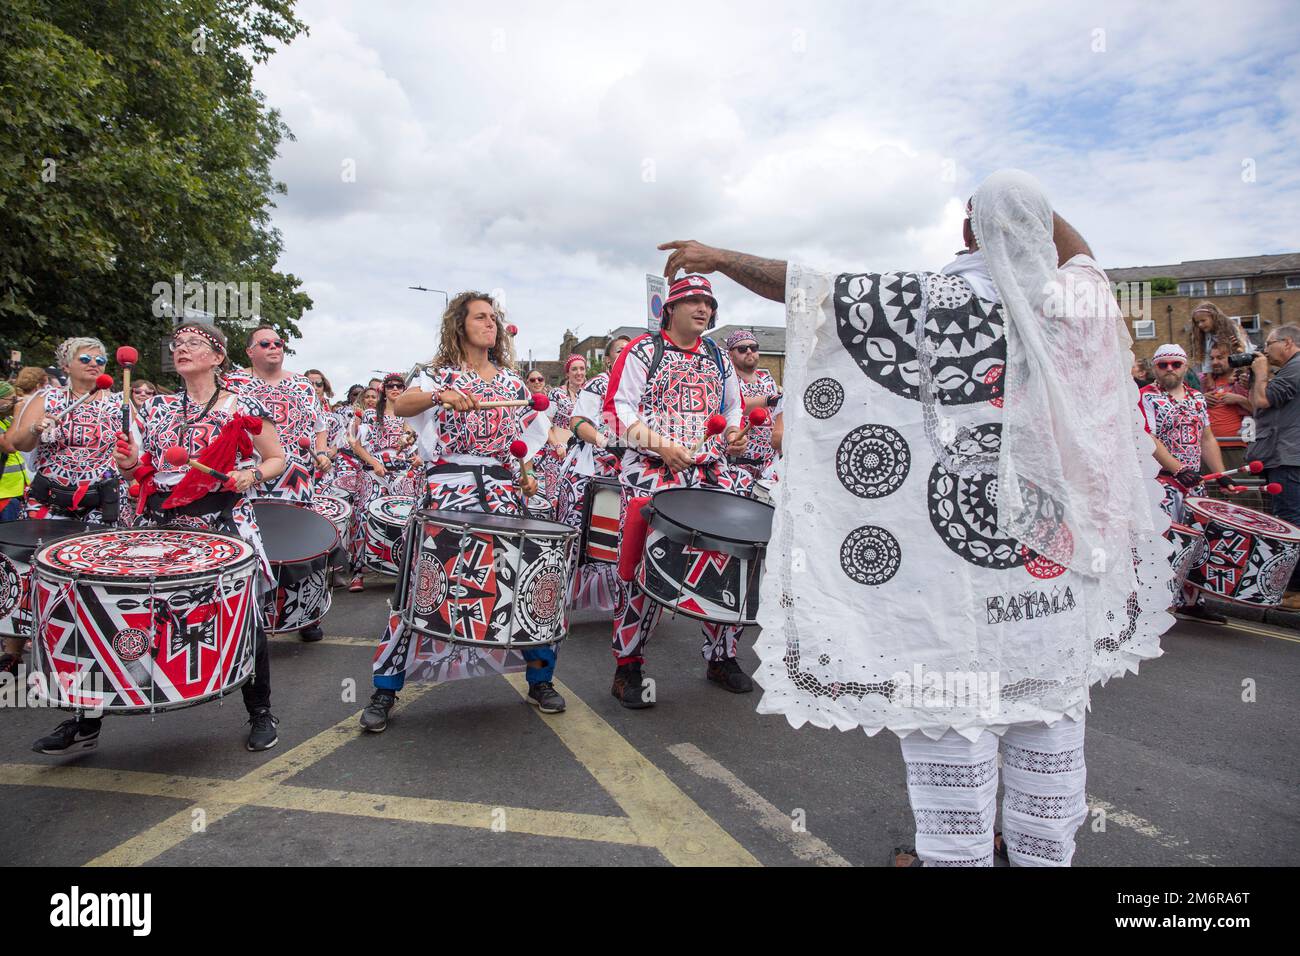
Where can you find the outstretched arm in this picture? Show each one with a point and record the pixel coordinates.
(765, 277)
(1068, 241)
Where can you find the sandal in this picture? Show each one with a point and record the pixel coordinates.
(904, 856)
(1000, 846)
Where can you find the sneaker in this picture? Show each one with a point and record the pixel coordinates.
(1199, 612)
(311, 635)
(10, 663)
(629, 687)
(546, 697)
(263, 735)
(75, 734)
(727, 672)
(357, 583)
(375, 717)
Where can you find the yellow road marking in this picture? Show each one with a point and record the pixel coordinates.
(291, 637)
(1263, 631)
(658, 811)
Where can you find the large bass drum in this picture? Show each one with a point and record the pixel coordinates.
(298, 543)
(1249, 555)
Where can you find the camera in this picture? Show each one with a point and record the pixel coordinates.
(1241, 359)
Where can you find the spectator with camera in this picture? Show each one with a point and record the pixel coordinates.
(1277, 429)
(1227, 393)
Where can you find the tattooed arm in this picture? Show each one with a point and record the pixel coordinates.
(765, 277)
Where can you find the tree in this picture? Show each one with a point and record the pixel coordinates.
(133, 148)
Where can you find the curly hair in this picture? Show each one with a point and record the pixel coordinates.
(1222, 332)
(451, 350)
(70, 347)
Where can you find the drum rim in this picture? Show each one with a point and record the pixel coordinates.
(249, 562)
(711, 536)
(161, 708)
(289, 504)
(563, 530)
(1193, 505)
(88, 528)
(408, 621)
(678, 609)
(341, 500)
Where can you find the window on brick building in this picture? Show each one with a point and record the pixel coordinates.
(1191, 288)
(1229, 286)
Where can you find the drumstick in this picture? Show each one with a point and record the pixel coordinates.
(126, 357)
(537, 401)
(177, 456)
(519, 449)
(101, 383)
(716, 425)
(757, 417)
(1253, 468)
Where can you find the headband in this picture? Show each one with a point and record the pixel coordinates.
(205, 335)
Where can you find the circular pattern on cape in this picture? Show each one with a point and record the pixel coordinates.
(823, 398)
(870, 555)
(873, 461)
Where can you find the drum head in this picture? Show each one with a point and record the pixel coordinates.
(140, 554)
(393, 509)
(494, 524)
(292, 533)
(21, 537)
(715, 513)
(331, 507)
(1242, 518)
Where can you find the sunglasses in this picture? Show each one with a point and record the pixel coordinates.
(1169, 366)
(270, 344)
(395, 385)
(318, 384)
(536, 380)
(144, 391)
(100, 360)
(743, 349)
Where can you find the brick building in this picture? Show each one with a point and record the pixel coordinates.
(1263, 292)
(771, 345)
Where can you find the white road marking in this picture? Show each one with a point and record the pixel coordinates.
(803, 844)
(1133, 822)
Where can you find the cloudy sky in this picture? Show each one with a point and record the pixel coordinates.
(544, 150)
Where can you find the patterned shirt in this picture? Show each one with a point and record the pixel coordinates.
(589, 405)
(561, 410)
(84, 440)
(759, 447)
(298, 415)
(162, 419)
(483, 434)
(1178, 424)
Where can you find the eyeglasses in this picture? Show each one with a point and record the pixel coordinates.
(271, 344)
(188, 345)
(100, 360)
(1169, 366)
(144, 391)
(317, 384)
(536, 381)
(744, 349)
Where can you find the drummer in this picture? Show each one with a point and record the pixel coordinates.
(75, 478)
(663, 389)
(758, 389)
(550, 464)
(193, 419)
(469, 468)
(389, 459)
(594, 585)
(1178, 418)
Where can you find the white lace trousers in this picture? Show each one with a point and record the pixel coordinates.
(952, 784)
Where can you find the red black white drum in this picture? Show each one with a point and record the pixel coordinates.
(298, 543)
(385, 520)
(19, 540)
(600, 511)
(1249, 555)
(1189, 551)
(704, 553)
(144, 620)
(487, 581)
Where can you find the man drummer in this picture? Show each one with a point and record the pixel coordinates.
(300, 422)
(759, 390)
(662, 392)
(1179, 420)
(469, 467)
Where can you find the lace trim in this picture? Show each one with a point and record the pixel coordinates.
(939, 822)
(981, 861)
(951, 775)
(1037, 762)
(1044, 808)
(1037, 847)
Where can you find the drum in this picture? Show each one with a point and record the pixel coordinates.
(487, 581)
(338, 511)
(140, 620)
(298, 543)
(1249, 555)
(18, 542)
(385, 520)
(763, 490)
(539, 508)
(600, 510)
(704, 552)
(1189, 551)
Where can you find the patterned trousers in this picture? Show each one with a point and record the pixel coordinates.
(952, 784)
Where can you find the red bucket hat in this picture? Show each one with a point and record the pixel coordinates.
(687, 287)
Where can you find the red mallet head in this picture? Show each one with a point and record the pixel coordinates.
(176, 456)
(539, 401)
(104, 381)
(1256, 467)
(1273, 488)
(127, 355)
(303, 442)
(716, 425)
(519, 448)
(133, 489)
(758, 416)
(512, 329)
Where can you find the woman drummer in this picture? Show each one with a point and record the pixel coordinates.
(390, 464)
(192, 419)
(550, 464)
(75, 478)
(470, 466)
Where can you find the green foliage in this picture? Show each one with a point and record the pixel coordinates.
(1164, 286)
(133, 147)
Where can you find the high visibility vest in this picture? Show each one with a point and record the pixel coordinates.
(13, 479)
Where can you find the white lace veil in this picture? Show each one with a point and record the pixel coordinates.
(1068, 437)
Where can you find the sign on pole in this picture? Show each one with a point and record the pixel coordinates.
(656, 290)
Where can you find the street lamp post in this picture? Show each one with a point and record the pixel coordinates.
(446, 300)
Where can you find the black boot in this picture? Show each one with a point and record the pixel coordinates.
(375, 717)
(630, 687)
(728, 673)
(311, 635)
